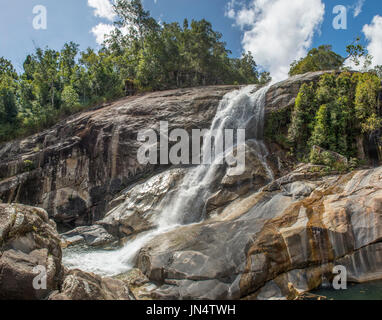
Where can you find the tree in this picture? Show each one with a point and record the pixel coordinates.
(357, 53)
(132, 26)
(8, 106)
(302, 117)
(247, 68)
(378, 71)
(100, 72)
(7, 69)
(367, 104)
(69, 96)
(8, 103)
(67, 62)
(265, 77)
(46, 76)
(321, 58)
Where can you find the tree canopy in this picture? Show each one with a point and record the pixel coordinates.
(152, 55)
(321, 58)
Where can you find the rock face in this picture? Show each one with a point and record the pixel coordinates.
(283, 94)
(79, 285)
(263, 242)
(78, 166)
(92, 236)
(139, 206)
(28, 241)
(30, 251)
(277, 229)
(74, 169)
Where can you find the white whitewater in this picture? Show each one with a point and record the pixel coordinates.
(240, 109)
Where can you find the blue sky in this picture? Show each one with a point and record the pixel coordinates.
(277, 31)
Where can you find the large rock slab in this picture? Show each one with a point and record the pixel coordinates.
(79, 285)
(75, 168)
(262, 243)
(138, 208)
(28, 241)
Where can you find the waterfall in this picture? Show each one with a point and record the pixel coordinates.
(240, 109)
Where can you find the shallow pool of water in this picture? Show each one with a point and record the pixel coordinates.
(354, 291)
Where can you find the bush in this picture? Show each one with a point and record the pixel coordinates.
(29, 166)
(69, 96)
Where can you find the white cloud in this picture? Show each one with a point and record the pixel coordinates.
(230, 9)
(277, 31)
(349, 63)
(373, 33)
(102, 9)
(358, 7)
(101, 30)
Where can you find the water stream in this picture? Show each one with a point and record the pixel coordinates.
(240, 109)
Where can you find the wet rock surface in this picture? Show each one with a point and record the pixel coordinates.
(141, 204)
(265, 241)
(92, 236)
(74, 169)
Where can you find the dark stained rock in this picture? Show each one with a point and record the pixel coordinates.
(75, 168)
(92, 236)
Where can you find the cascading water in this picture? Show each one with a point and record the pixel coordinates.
(240, 109)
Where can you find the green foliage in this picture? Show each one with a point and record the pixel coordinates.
(329, 161)
(69, 96)
(367, 106)
(171, 56)
(302, 117)
(333, 113)
(154, 56)
(276, 126)
(378, 71)
(324, 158)
(321, 58)
(29, 166)
(8, 99)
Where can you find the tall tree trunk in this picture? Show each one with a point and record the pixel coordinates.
(52, 95)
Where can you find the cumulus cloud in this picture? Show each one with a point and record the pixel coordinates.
(277, 31)
(101, 30)
(373, 33)
(102, 9)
